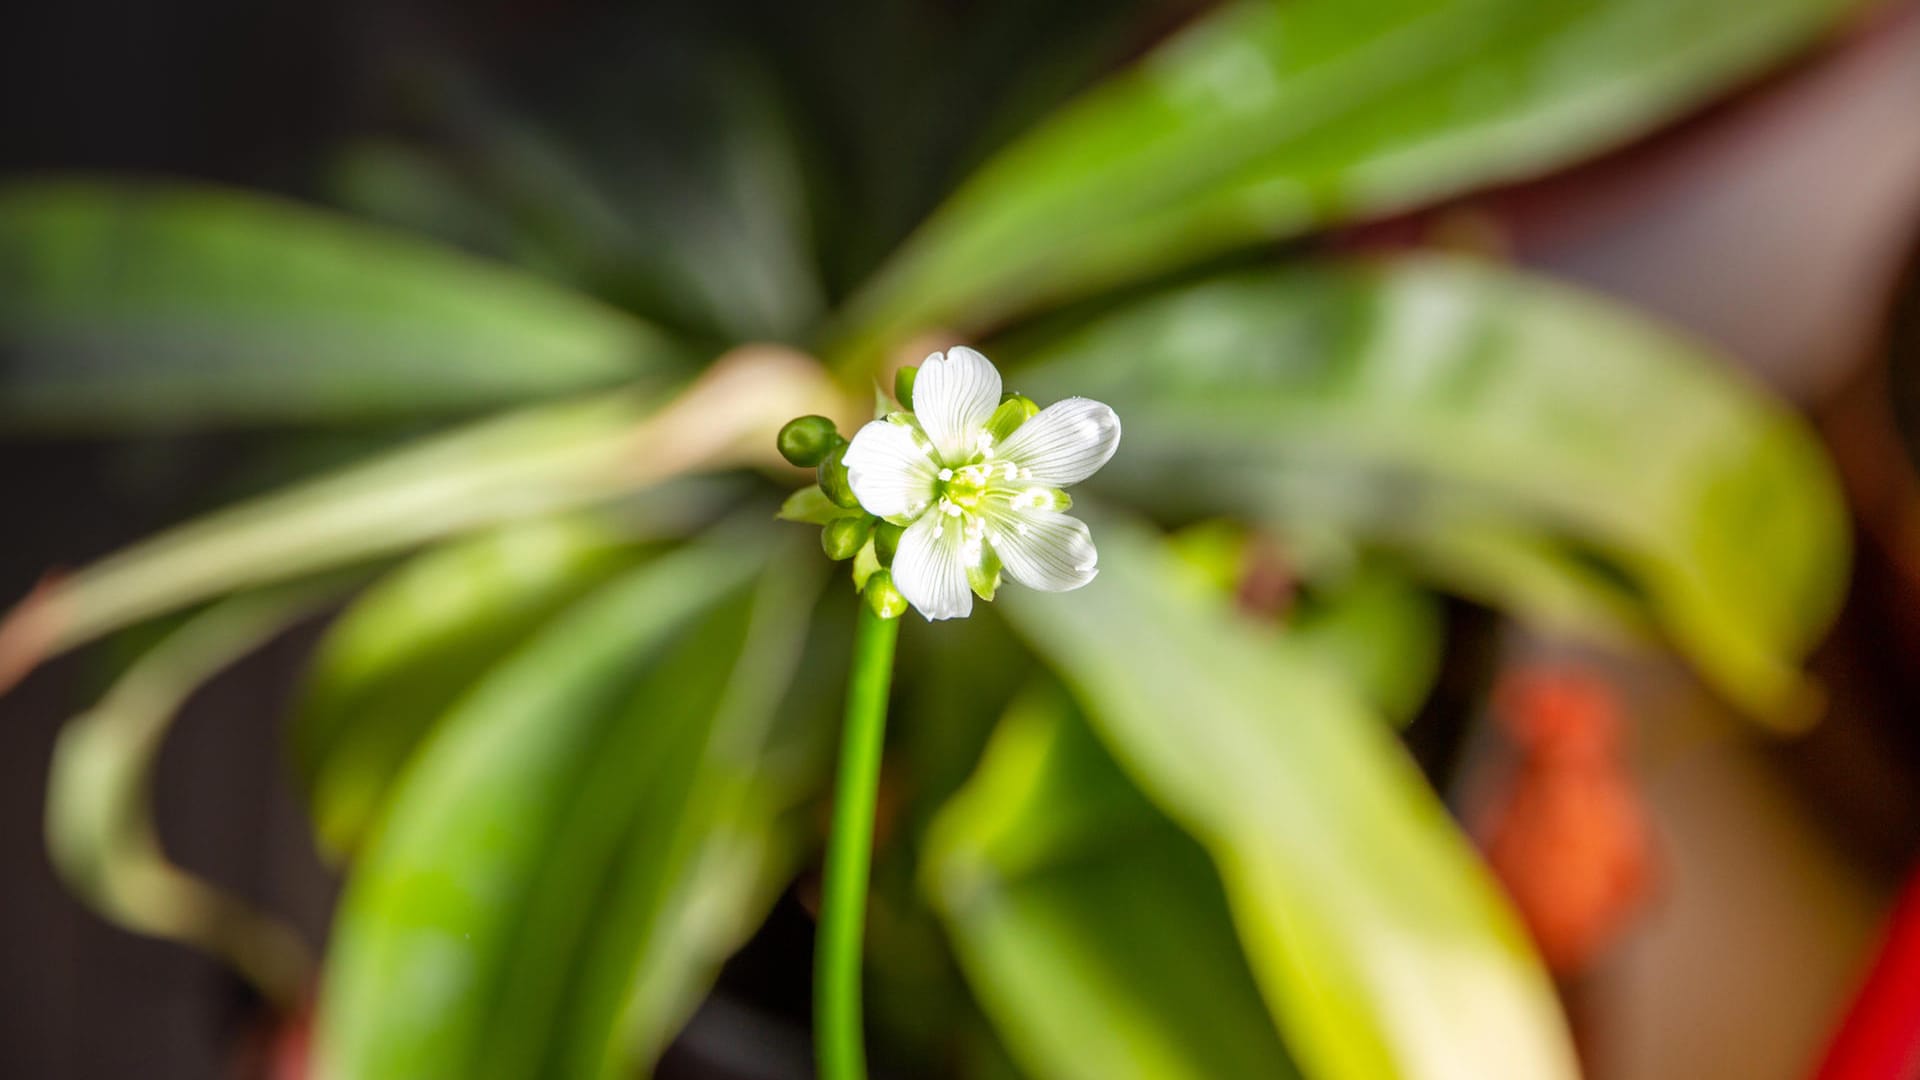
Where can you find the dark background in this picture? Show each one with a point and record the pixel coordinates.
(220, 89)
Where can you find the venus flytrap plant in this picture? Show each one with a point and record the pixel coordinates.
(933, 503)
(133, 305)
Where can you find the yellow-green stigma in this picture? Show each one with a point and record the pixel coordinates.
(965, 488)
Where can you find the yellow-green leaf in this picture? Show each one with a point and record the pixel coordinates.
(1375, 935)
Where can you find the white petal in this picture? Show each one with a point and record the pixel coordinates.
(1064, 443)
(1044, 549)
(928, 568)
(890, 470)
(954, 395)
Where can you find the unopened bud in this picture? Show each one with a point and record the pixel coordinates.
(903, 386)
(886, 541)
(882, 598)
(1014, 410)
(842, 538)
(833, 479)
(806, 441)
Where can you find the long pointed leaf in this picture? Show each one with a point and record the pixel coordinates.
(392, 665)
(100, 829)
(1096, 935)
(1265, 120)
(127, 305)
(517, 898)
(535, 462)
(1403, 399)
(1374, 932)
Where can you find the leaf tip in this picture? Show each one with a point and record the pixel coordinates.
(29, 633)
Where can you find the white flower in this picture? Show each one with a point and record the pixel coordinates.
(973, 505)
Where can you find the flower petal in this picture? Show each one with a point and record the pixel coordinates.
(953, 395)
(929, 568)
(890, 470)
(1064, 443)
(1044, 549)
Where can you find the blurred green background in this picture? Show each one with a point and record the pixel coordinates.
(1505, 645)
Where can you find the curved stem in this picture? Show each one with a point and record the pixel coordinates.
(836, 968)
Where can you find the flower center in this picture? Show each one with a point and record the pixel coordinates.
(963, 490)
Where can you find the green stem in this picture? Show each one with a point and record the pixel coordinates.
(843, 908)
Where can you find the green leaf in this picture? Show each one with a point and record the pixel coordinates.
(1378, 628)
(126, 305)
(1094, 933)
(545, 459)
(620, 447)
(1370, 621)
(582, 839)
(1550, 582)
(1372, 930)
(810, 506)
(1404, 400)
(101, 834)
(394, 663)
(1265, 120)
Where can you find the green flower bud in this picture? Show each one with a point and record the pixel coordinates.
(842, 538)
(806, 441)
(833, 479)
(886, 541)
(903, 386)
(1014, 410)
(882, 598)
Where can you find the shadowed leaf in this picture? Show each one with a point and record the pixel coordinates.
(125, 305)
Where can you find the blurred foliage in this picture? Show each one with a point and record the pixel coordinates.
(100, 829)
(569, 744)
(1370, 620)
(1096, 928)
(411, 645)
(1267, 119)
(1400, 402)
(1348, 924)
(625, 810)
(255, 311)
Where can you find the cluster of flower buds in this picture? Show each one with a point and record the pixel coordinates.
(847, 531)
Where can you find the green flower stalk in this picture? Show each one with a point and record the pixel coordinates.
(932, 503)
(843, 898)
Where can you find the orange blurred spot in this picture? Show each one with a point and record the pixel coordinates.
(1566, 834)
